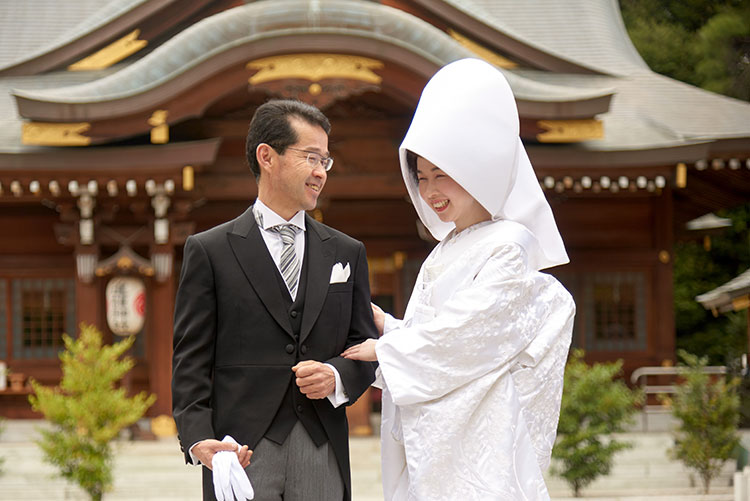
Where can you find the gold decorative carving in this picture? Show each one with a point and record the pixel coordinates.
(314, 67)
(55, 134)
(483, 52)
(681, 175)
(160, 130)
(111, 54)
(188, 178)
(569, 131)
(741, 303)
(664, 256)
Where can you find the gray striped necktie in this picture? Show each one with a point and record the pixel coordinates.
(289, 263)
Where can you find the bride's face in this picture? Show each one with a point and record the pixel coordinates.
(447, 198)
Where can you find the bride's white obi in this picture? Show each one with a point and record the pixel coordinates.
(472, 377)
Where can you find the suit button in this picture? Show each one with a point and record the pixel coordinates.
(299, 409)
(303, 349)
(294, 313)
(290, 348)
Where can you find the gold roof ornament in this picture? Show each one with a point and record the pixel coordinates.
(55, 134)
(483, 52)
(111, 54)
(570, 131)
(315, 67)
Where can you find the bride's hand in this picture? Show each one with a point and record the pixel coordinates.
(363, 351)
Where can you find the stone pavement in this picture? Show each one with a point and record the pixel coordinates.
(154, 470)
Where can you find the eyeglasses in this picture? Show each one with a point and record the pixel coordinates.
(315, 159)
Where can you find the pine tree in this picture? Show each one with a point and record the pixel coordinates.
(88, 410)
(708, 411)
(594, 406)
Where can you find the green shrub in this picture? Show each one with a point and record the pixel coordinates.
(708, 410)
(87, 410)
(594, 406)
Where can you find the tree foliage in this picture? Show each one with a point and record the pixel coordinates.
(88, 410)
(702, 42)
(696, 271)
(708, 411)
(595, 404)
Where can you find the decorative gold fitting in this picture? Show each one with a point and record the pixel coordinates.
(314, 67)
(55, 134)
(569, 131)
(111, 54)
(160, 131)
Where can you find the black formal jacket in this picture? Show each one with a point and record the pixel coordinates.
(232, 364)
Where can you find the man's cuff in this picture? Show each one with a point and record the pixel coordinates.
(338, 396)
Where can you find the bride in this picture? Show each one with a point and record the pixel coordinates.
(472, 376)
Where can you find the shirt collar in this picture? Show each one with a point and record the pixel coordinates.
(271, 219)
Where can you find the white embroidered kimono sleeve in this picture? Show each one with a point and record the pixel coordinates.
(479, 329)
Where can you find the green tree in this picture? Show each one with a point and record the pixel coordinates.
(697, 271)
(88, 410)
(708, 412)
(702, 42)
(594, 406)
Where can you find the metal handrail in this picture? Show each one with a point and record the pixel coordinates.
(651, 389)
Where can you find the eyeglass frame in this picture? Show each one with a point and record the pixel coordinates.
(325, 162)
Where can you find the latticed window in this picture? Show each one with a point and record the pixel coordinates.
(43, 309)
(611, 309)
(615, 311)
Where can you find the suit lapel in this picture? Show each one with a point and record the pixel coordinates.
(252, 254)
(320, 253)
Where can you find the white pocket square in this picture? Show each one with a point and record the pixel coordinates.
(339, 273)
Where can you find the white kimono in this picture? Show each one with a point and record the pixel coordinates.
(473, 374)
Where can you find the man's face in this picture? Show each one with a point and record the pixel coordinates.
(298, 184)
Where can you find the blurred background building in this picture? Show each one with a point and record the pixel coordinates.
(122, 128)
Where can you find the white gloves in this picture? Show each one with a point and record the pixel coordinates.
(230, 479)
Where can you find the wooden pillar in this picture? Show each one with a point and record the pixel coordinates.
(159, 344)
(663, 346)
(89, 303)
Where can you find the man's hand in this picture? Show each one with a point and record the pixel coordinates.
(364, 351)
(315, 380)
(205, 449)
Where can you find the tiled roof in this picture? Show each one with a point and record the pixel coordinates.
(649, 110)
(261, 20)
(589, 33)
(29, 28)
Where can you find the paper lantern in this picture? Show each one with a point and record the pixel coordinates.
(126, 305)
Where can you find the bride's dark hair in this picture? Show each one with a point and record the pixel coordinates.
(411, 164)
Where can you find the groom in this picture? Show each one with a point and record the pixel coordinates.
(265, 305)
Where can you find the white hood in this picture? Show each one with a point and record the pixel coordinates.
(466, 123)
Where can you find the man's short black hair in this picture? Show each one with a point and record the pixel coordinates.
(270, 125)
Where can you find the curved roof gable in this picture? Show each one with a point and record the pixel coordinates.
(204, 45)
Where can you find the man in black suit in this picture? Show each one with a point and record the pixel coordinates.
(266, 303)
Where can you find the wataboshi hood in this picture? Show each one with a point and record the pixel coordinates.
(466, 123)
